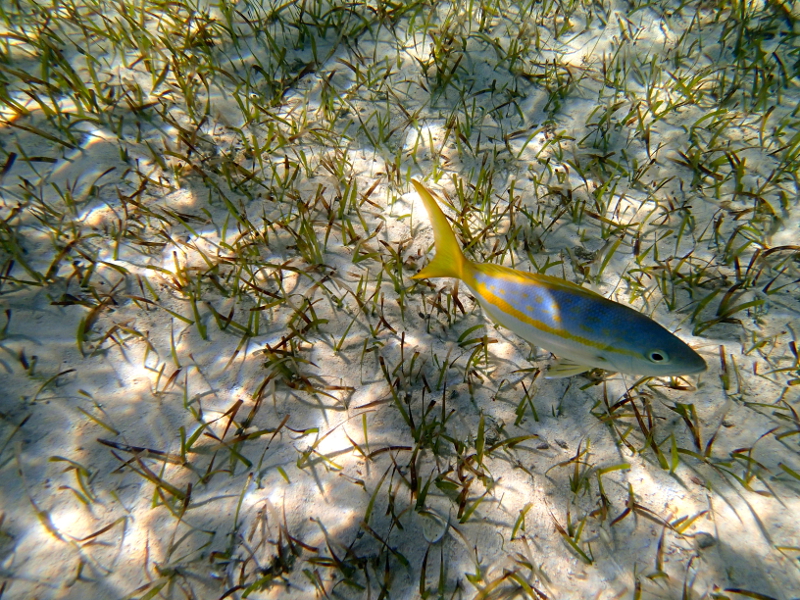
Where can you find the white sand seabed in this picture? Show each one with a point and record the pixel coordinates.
(157, 381)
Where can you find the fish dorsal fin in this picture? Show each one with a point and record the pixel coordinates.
(565, 368)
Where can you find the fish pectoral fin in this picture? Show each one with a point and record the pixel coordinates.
(565, 368)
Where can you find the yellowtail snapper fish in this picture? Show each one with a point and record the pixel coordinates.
(584, 329)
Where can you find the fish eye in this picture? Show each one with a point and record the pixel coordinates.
(658, 356)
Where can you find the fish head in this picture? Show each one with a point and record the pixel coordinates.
(648, 349)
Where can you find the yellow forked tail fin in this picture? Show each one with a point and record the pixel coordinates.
(449, 260)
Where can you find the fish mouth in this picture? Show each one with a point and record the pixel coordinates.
(696, 365)
(696, 369)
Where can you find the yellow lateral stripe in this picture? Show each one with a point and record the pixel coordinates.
(510, 310)
(524, 278)
(521, 279)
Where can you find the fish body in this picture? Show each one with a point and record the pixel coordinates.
(584, 329)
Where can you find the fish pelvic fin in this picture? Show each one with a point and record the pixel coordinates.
(449, 260)
(565, 368)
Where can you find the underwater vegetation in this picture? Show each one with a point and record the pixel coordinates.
(228, 367)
